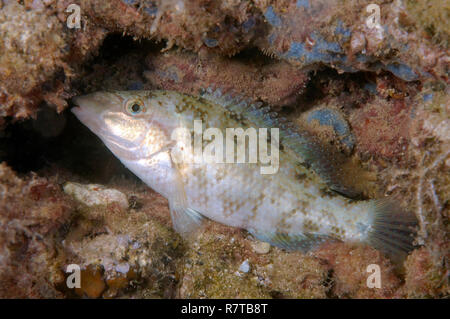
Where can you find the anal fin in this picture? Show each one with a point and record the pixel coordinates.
(303, 242)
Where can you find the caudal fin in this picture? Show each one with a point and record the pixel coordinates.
(393, 229)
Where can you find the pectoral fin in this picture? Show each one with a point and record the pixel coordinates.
(185, 220)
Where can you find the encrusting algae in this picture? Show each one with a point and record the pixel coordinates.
(285, 204)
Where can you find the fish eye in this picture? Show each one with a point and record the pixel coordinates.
(135, 107)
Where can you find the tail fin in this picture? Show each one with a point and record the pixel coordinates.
(393, 229)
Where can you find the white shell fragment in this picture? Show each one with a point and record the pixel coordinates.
(95, 194)
(260, 247)
(244, 267)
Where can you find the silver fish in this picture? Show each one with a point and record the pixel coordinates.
(292, 208)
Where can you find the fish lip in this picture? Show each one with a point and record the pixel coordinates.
(75, 110)
(86, 116)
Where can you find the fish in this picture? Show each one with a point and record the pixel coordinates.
(296, 200)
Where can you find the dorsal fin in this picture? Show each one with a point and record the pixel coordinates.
(327, 161)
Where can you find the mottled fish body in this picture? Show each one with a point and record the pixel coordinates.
(292, 208)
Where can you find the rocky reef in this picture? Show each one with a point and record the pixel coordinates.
(373, 85)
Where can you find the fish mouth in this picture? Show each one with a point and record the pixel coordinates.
(87, 114)
(88, 110)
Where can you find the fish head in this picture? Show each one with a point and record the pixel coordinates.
(123, 120)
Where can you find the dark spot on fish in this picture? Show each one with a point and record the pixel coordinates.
(150, 95)
(325, 192)
(235, 116)
(304, 164)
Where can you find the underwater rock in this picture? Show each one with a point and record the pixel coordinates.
(39, 56)
(95, 194)
(135, 253)
(32, 213)
(277, 84)
(353, 36)
(426, 276)
(224, 27)
(332, 119)
(37, 65)
(350, 272)
(307, 277)
(261, 247)
(338, 34)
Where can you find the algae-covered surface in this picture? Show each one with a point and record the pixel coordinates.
(378, 91)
